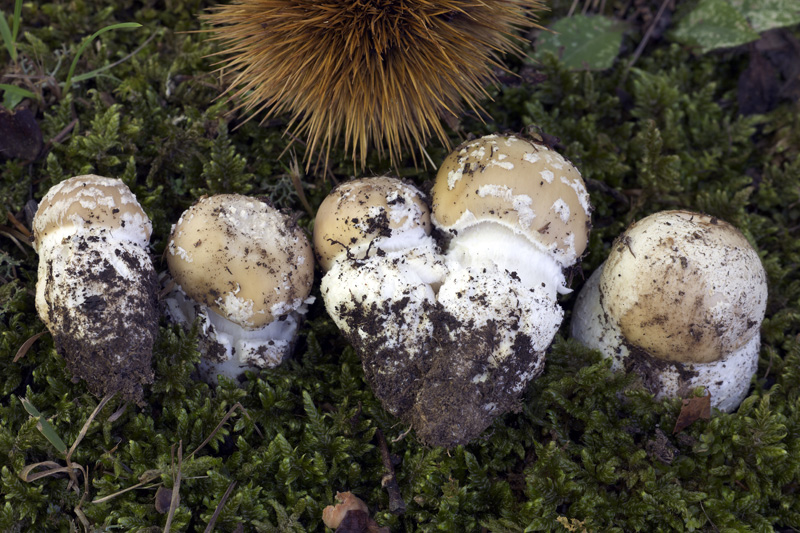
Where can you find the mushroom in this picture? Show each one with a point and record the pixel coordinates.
(517, 214)
(372, 235)
(245, 270)
(680, 301)
(97, 289)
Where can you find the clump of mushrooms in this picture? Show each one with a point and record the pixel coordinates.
(680, 300)
(449, 340)
(97, 287)
(245, 269)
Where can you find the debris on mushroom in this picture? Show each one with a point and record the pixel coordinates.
(518, 215)
(245, 269)
(680, 300)
(372, 235)
(97, 287)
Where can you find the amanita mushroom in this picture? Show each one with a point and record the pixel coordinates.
(680, 300)
(245, 269)
(97, 288)
(518, 214)
(372, 236)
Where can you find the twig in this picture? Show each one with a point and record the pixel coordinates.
(176, 488)
(389, 480)
(210, 526)
(647, 34)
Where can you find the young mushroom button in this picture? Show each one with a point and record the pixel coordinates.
(246, 270)
(518, 214)
(97, 288)
(372, 235)
(680, 300)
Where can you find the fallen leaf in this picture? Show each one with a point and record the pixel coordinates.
(163, 499)
(691, 410)
(20, 136)
(758, 87)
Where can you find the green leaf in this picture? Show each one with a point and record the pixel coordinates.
(715, 24)
(583, 42)
(768, 14)
(44, 426)
(8, 40)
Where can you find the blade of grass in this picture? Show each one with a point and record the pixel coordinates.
(44, 426)
(19, 91)
(16, 20)
(5, 33)
(85, 44)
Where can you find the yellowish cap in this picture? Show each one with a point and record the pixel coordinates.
(242, 258)
(92, 201)
(364, 210)
(521, 184)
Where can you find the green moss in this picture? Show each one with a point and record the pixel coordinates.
(588, 445)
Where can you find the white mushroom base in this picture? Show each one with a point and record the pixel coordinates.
(727, 379)
(228, 348)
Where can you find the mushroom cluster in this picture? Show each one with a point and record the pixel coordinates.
(680, 300)
(245, 270)
(97, 289)
(449, 339)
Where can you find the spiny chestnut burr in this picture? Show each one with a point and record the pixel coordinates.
(378, 73)
(97, 288)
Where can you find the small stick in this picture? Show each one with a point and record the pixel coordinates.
(389, 480)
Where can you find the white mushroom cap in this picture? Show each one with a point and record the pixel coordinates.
(520, 184)
(90, 200)
(685, 287)
(368, 214)
(242, 258)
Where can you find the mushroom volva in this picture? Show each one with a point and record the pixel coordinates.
(97, 287)
(680, 301)
(245, 269)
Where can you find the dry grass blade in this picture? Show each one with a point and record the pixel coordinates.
(176, 489)
(147, 477)
(376, 73)
(225, 418)
(27, 346)
(210, 527)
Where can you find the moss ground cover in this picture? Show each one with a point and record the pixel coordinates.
(588, 450)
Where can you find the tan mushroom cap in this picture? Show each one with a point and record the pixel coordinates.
(242, 258)
(685, 287)
(365, 209)
(92, 201)
(519, 183)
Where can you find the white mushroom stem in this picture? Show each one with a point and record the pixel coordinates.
(385, 301)
(726, 379)
(230, 349)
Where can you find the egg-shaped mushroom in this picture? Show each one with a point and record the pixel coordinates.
(517, 214)
(246, 270)
(97, 288)
(679, 300)
(372, 235)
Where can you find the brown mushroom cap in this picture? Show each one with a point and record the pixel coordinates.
(87, 201)
(360, 211)
(242, 258)
(518, 183)
(685, 287)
